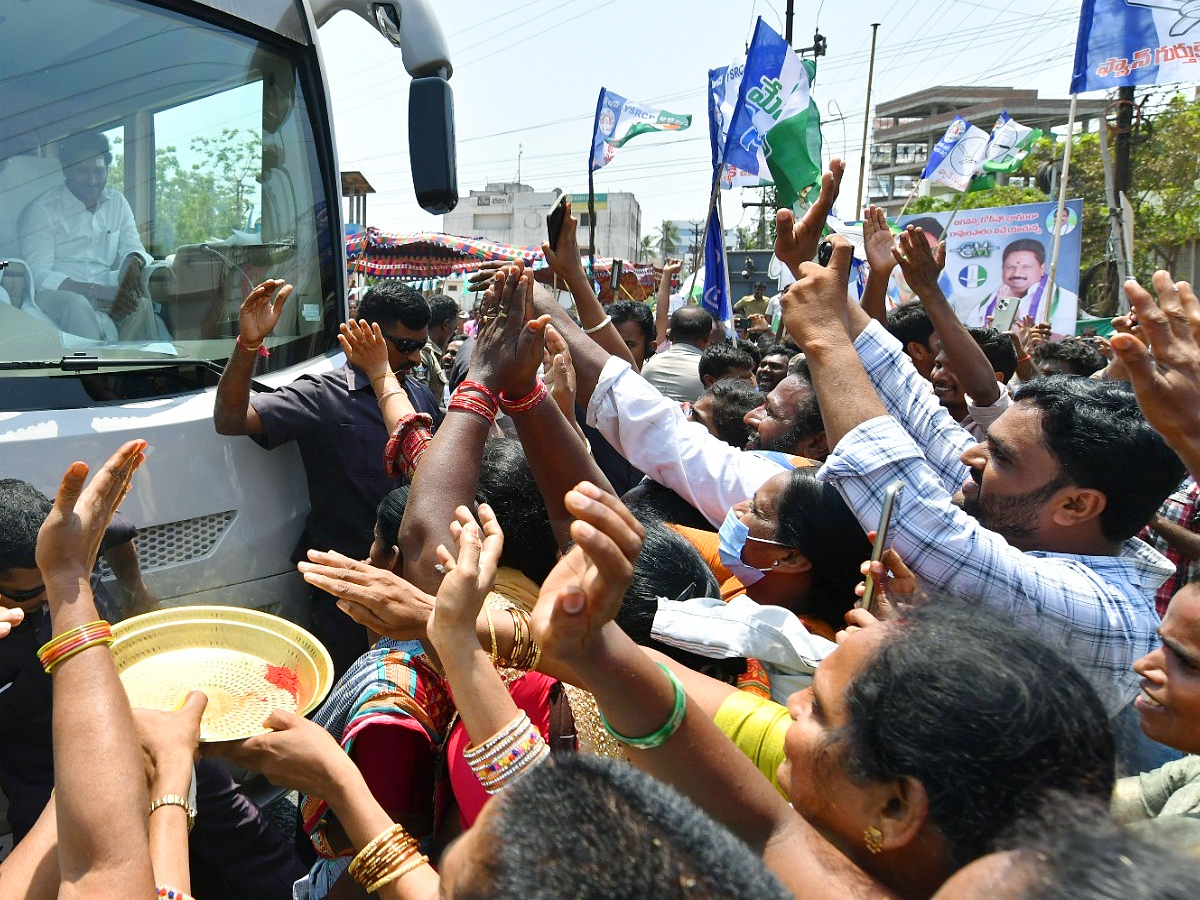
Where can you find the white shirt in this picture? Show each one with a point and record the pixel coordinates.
(61, 239)
(676, 372)
(652, 432)
(771, 634)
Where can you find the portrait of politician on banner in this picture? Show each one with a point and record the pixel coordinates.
(1003, 254)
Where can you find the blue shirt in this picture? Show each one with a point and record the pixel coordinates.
(335, 419)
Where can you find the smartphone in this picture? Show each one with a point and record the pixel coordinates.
(555, 219)
(890, 498)
(1006, 313)
(825, 254)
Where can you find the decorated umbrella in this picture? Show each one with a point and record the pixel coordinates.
(413, 256)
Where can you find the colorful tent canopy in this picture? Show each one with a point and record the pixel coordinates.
(429, 254)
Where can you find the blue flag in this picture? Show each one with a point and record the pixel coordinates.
(774, 87)
(958, 156)
(1127, 42)
(619, 119)
(716, 274)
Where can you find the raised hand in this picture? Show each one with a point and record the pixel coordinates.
(584, 591)
(510, 342)
(894, 582)
(468, 579)
(565, 262)
(816, 305)
(796, 242)
(377, 598)
(69, 539)
(1167, 385)
(559, 372)
(260, 313)
(878, 240)
(920, 264)
(365, 346)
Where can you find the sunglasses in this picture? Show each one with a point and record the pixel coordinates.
(22, 596)
(405, 345)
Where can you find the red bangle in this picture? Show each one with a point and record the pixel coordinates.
(1024, 358)
(75, 641)
(480, 389)
(259, 350)
(470, 403)
(407, 444)
(526, 403)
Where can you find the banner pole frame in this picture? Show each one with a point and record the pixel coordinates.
(1044, 313)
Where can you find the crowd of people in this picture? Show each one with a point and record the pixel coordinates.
(591, 586)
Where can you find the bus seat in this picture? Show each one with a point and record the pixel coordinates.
(22, 180)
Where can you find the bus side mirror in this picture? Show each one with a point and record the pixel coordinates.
(431, 144)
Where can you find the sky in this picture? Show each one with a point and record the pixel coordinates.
(527, 74)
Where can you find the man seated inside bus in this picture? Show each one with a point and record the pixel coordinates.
(81, 243)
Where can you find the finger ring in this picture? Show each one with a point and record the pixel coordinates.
(439, 568)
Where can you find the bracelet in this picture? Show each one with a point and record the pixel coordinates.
(1024, 358)
(504, 735)
(403, 869)
(479, 389)
(73, 642)
(407, 444)
(607, 320)
(518, 747)
(664, 734)
(171, 894)
(377, 863)
(176, 800)
(388, 393)
(526, 403)
(381, 377)
(259, 349)
(487, 612)
(467, 403)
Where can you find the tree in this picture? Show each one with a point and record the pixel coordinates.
(646, 248)
(668, 239)
(208, 199)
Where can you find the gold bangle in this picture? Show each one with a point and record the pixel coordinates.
(410, 865)
(487, 612)
(381, 377)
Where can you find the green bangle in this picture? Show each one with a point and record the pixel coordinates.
(664, 734)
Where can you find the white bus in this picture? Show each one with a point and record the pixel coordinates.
(217, 116)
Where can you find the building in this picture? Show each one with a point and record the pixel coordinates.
(515, 214)
(907, 128)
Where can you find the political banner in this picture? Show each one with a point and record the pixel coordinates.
(1008, 144)
(716, 274)
(958, 156)
(1002, 254)
(618, 120)
(724, 84)
(774, 87)
(1128, 42)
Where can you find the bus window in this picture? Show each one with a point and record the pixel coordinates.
(153, 168)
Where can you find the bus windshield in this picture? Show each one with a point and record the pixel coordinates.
(153, 168)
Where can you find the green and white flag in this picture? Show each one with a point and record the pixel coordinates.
(618, 120)
(793, 150)
(1008, 144)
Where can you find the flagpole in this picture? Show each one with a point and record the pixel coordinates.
(862, 157)
(591, 222)
(954, 212)
(911, 195)
(1044, 312)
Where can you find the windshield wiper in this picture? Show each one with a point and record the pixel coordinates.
(87, 362)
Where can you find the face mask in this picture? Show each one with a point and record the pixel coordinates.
(732, 541)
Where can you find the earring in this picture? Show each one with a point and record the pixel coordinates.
(775, 563)
(873, 838)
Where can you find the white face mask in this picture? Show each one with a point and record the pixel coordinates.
(731, 542)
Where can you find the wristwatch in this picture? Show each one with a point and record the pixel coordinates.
(176, 800)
